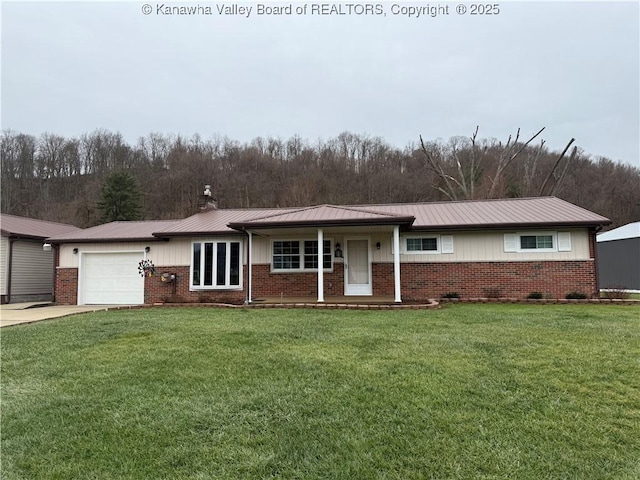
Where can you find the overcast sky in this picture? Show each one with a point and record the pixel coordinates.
(572, 67)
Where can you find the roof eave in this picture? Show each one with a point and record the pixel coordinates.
(195, 233)
(55, 241)
(402, 221)
(503, 226)
(20, 236)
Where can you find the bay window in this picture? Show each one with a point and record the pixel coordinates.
(216, 265)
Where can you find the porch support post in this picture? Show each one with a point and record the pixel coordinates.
(320, 266)
(249, 263)
(396, 263)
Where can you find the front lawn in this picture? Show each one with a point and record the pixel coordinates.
(465, 392)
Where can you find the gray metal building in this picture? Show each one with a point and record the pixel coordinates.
(618, 254)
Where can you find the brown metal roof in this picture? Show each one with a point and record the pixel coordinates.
(325, 215)
(115, 231)
(507, 213)
(214, 222)
(504, 213)
(14, 226)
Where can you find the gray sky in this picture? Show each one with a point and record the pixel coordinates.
(572, 67)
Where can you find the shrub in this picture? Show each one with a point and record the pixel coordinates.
(451, 295)
(617, 292)
(535, 295)
(576, 296)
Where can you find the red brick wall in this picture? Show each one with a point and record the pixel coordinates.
(66, 286)
(419, 281)
(265, 283)
(156, 291)
(495, 279)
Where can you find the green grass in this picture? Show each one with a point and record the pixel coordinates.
(465, 392)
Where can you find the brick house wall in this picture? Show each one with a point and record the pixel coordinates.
(495, 279)
(419, 281)
(177, 291)
(66, 286)
(265, 283)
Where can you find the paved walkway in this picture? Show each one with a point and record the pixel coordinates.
(18, 313)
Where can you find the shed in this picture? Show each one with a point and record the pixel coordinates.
(26, 269)
(619, 258)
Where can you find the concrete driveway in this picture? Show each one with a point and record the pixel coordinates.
(18, 313)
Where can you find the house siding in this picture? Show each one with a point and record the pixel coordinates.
(478, 267)
(467, 246)
(32, 274)
(4, 265)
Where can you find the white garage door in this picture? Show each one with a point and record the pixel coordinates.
(111, 279)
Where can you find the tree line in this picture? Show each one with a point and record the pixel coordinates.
(60, 179)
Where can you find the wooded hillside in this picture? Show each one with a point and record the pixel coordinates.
(59, 179)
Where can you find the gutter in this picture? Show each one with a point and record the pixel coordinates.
(9, 267)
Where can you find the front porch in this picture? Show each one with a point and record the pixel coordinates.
(377, 302)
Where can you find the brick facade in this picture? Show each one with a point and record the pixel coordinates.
(265, 283)
(419, 281)
(66, 286)
(495, 279)
(177, 291)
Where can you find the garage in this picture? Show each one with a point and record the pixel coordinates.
(110, 279)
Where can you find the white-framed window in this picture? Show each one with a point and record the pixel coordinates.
(216, 264)
(539, 242)
(300, 255)
(427, 244)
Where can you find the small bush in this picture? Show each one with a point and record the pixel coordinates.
(576, 296)
(451, 295)
(616, 292)
(535, 295)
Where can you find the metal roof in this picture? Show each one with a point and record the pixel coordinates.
(501, 213)
(505, 213)
(120, 231)
(214, 221)
(14, 226)
(630, 230)
(326, 215)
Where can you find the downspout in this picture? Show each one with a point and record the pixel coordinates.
(9, 265)
(249, 264)
(396, 264)
(320, 266)
(593, 241)
(56, 262)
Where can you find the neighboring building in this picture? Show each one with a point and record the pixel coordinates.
(399, 252)
(619, 258)
(26, 269)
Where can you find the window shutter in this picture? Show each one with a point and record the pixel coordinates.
(564, 241)
(510, 242)
(446, 243)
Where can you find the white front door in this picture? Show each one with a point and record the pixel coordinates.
(357, 267)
